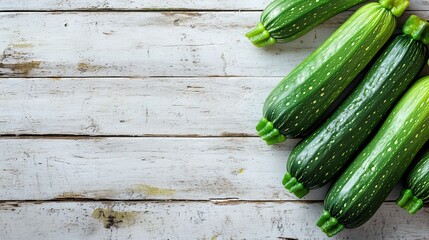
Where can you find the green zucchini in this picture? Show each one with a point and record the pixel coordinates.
(416, 192)
(321, 156)
(365, 184)
(286, 20)
(301, 98)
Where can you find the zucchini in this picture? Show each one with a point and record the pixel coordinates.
(301, 98)
(321, 156)
(365, 184)
(286, 20)
(416, 192)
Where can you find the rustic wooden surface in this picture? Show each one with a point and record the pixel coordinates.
(130, 119)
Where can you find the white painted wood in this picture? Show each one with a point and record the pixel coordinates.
(145, 168)
(144, 44)
(150, 106)
(153, 168)
(150, 5)
(133, 106)
(194, 220)
(157, 44)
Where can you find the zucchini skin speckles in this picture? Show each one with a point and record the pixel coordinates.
(321, 156)
(301, 98)
(416, 192)
(365, 184)
(286, 20)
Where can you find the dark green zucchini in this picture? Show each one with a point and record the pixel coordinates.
(365, 184)
(320, 156)
(286, 20)
(416, 192)
(301, 98)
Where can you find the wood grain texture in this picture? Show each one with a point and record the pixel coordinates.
(197, 107)
(145, 168)
(133, 106)
(81, 5)
(157, 44)
(181, 220)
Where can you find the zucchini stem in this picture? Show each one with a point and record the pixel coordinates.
(268, 133)
(417, 28)
(397, 7)
(295, 187)
(260, 37)
(409, 202)
(329, 224)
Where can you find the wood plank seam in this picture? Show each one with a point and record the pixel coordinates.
(175, 10)
(211, 201)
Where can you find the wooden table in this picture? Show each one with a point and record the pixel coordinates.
(126, 119)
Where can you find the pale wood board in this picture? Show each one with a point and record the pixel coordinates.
(146, 168)
(97, 5)
(133, 106)
(146, 44)
(194, 220)
(197, 107)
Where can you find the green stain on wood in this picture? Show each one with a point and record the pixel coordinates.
(21, 68)
(153, 191)
(22, 45)
(88, 67)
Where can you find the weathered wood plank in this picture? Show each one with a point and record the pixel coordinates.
(193, 220)
(48, 5)
(157, 44)
(145, 168)
(134, 107)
